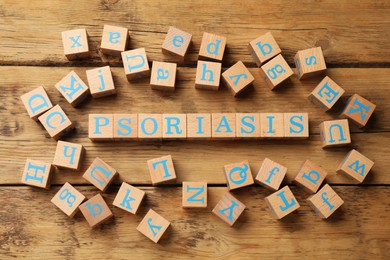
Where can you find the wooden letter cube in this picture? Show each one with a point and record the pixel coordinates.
(95, 210)
(263, 48)
(125, 127)
(310, 176)
(223, 125)
(37, 174)
(296, 125)
(136, 64)
(358, 110)
(150, 126)
(237, 78)
(153, 226)
(335, 133)
(68, 155)
(176, 43)
(326, 94)
(194, 194)
(355, 165)
(161, 170)
(100, 82)
(276, 71)
(325, 201)
(101, 127)
(208, 75)
(229, 209)
(282, 203)
(68, 199)
(174, 126)
(56, 122)
(309, 62)
(247, 125)
(100, 174)
(36, 102)
(212, 47)
(271, 174)
(238, 175)
(74, 90)
(199, 126)
(163, 76)
(75, 44)
(114, 40)
(129, 198)
(271, 125)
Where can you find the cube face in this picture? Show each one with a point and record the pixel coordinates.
(100, 82)
(125, 127)
(263, 48)
(74, 90)
(310, 176)
(212, 47)
(271, 125)
(326, 94)
(176, 43)
(95, 210)
(114, 40)
(325, 202)
(68, 199)
(223, 125)
(150, 126)
(247, 125)
(199, 126)
(237, 78)
(229, 209)
(174, 126)
(194, 194)
(355, 165)
(335, 133)
(75, 44)
(163, 76)
(271, 174)
(68, 155)
(161, 169)
(56, 122)
(36, 102)
(238, 175)
(296, 125)
(208, 75)
(101, 127)
(276, 71)
(282, 203)
(129, 198)
(309, 62)
(100, 174)
(358, 110)
(37, 174)
(153, 226)
(135, 64)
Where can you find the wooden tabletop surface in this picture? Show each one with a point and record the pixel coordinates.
(355, 38)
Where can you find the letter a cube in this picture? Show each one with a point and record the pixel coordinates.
(163, 76)
(325, 202)
(276, 71)
(161, 170)
(74, 90)
(194, 195)
(37, 174)
(238, 175)
(36, 102)
(153, 226)
(75, 44)
(358, 110)
(68, 199)
(309, 62)
(237, 78)
(271, 174)
(208, 75)
(68, 155)
(335, 133)
(326, 94)
(129, 198)
(263, 48)
(176, 43)
(100, 174)
(223, 126)
(310, 176)
(135, 64)
(56, 122)
(229, 209)
(95, 210)
(355, 165)
(212, 47)
(282, 203)
(100, 82)
(114, 40)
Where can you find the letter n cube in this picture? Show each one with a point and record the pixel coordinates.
(325, 202)
(358, 110)
(37, 174)
(238, 175)
(68, 199)
(310, 176)
(129, 198)
(161, 169)
(356, 166)
(95, 210)
(282, 203)
(153, 226)
(229, 209)
(194, 194)
(135, 64)
(335, 133)
(100, 174)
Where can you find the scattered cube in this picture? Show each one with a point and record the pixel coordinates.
(68, 199)
(271, 174)
(129, 198)
(136, 64)
(326, 94)
(271, 125)
(153, 226)
(335, 133)
(223, 125)
(237, 78)
(358, 110)
(36, 102)
(310, 176)
(208, 75)
(238, 175)
(325, 201)
(296, 125)
(163, 76)
(100, 82)
(176, 43)
(355, 165)
(74, 90)
(282, 203)
(263, 48)
(95, 210)
(229, 209)
(56, 122)
(276, 71)
(174, 126)
(247, 125)
(101, 127)
(149, 126)
(125, 127)
(194, 194)
(100, 174)
(75, 44)
(199, 126)
(37, 174)
(114, 40)
(161, 170)
(212, 47)
(309, 62)
(68, 155)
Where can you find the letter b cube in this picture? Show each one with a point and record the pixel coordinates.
(310, 176)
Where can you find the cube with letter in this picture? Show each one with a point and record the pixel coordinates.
(174, 126)
(309, 62)
(37, 174)
(263, 48)
(310, 176)
(276, 71)
(229, 209)
(194, 195)
(296, 125)
(150, 126)
(208, 75)
(199, 126)
(325, 202)
(271, 125)
(36, 102)
(68, 155)
(271, 174)
(358, 110)
(238, 175)
(101, 127)
(282, 203)
(326, 94)
(56, 122)
(153, 226)
(114, 40)
(223, 125)
(212, 47)
(95, 210)
(237, 78)
(335, 133)
(100, 82)
(68, 199)
(125, 127)
(163, 76)
(355, 165)
(75, 44)
(129, 198)
(161, 170)
(176, 43)
(74, 90)
(135, 64)
(100, 174)
(247, 125)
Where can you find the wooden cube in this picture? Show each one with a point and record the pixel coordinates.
(271, 125)
(238, 175)
(296, 125)
(36, 102)
(358, 110)
(68, 155)
(174, 126)
(114, 40)
(194, 194)
(325, 201)
(208, 75)
(281, 203)
(153, 226)
(199, 126)
(161, 170)
(229, 209)
(212, 47)
(129, 198)
(176, 43)
(37, 174)
(237, 78)
(125, 127)
(263, 48)
(326, 94)
(355, 165)
(223, 125)
(150, 126)
(76, 44)
(135, 64)
(276, 71)
(56, 122)
(163, 76)
(68, 199)
(74, 90)
(271, 174)
(100, 82)
(95, 210)
(100, 174)
(310, 176)
(247, 125)
(309, 62)
(335, 133)
(101, 127)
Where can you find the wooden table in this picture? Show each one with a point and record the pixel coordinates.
(355, 37)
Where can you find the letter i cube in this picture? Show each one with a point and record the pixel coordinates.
(68, 155)
(129, 198)
(296, 125)
(135, 64)
(358, 110)
(161, 169)
(326, 94)
(271, 125)
(310, 176)
(95, 210)
(325, 202)
(153, 226)
(68, 199)
(238, 175)
(100, 174)
(199, 126)
(208, 75)
(335, 133)
(355, 165)
(282, 203)
(237, 78)
(309, 62)
(212, 47)
(100, 82)
(37, 174)
(101, 127)
(56, 122)
(271, 174)
(229, 209)
(74, 90)
(194, 195)
(176, 43)
(114, 40)
(163, 76)
(276, 71)
(75, 44)
(263, 48)
(36, 102)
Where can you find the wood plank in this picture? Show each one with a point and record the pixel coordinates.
(32, 38)
(355, 231)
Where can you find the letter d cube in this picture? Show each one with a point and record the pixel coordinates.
(36, 102)
(95, 210)
(310, 176)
